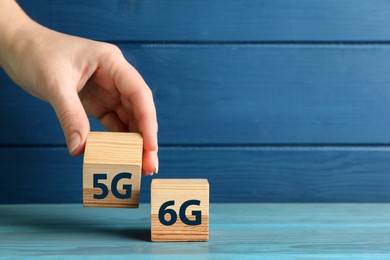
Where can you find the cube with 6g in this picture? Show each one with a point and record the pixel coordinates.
(180, 209)
(112, 170)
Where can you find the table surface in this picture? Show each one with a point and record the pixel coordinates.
(236, 231)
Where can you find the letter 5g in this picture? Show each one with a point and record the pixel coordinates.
(164, 212)
(114, 186)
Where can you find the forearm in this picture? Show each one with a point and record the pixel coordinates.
(13, 24)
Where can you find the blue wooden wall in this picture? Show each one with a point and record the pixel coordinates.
(272, 101)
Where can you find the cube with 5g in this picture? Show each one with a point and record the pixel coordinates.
(112, 170)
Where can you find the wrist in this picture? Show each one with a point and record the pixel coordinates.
(13, 35)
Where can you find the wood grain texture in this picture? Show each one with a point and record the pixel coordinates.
(298, 94)
(113, 148)
(112, 154)
(285, 174)
(180, 191)
(240, 20)
(237, 231)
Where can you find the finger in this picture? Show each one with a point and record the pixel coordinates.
(97, 101)
(125, 113)
(113, 123)
(73, 119)
(132, 86)
(148, 164)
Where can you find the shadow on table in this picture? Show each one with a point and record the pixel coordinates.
(142, 234)
(68, 224)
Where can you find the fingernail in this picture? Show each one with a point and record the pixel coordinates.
(74, 142)
(156, 166)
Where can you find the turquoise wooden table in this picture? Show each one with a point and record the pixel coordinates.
(236, 231)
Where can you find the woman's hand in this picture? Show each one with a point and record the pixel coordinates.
(78, 77)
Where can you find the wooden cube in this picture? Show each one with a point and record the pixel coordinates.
(180, 209)
(112, 170)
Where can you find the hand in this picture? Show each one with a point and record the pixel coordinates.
(78, 77)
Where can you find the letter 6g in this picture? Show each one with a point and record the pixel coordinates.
(164, 212)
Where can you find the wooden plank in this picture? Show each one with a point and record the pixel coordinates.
(241, 20)
(237, 231)
(257, 174)
(242, 94)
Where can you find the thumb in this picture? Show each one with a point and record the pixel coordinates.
(73, 119)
